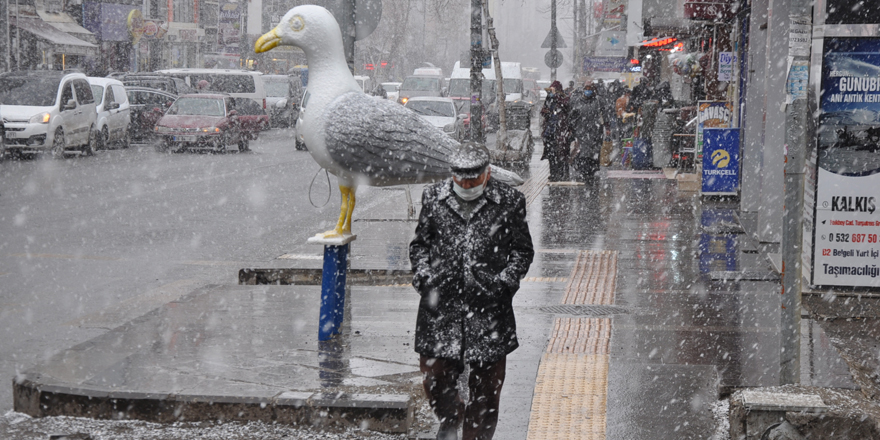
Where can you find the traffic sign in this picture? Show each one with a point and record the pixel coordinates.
(560, 43)
(553, 59)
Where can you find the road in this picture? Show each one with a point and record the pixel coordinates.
(89, 243)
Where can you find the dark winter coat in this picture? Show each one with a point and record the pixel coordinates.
(586, 119)
(555, 128)
(467, 272)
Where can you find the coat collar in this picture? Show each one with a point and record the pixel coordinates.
(490, 194)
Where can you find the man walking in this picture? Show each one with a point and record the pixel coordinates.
(472, 246)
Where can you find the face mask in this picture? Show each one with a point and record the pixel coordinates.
(588, 93)
(468, 194)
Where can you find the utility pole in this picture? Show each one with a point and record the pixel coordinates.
(4, 40)
(347, 9)
(575, 46)
(797, 125)
(477, 71)
(553, 36)
(501, 143)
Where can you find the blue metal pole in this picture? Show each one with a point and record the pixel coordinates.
(332, 291)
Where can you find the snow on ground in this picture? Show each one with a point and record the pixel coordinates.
(17, 426)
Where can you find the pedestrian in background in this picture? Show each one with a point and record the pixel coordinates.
(471, 249)
(588, 128)
(556, 132)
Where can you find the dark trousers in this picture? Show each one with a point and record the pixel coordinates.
(480, 413)
(558, 169)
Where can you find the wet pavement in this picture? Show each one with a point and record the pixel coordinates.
(682, 330)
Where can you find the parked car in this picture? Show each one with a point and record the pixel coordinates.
(47, 111)
(391, 89)
(420, 86)
(299, 141)
(440, 112)
(201, 121)
(283, 94)
(114, 113)
(170, 84)
(251, 118)
(235, 83)
(147, 107)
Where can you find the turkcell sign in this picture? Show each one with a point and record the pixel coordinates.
(846, 226)
(712, 114)
(720, 161)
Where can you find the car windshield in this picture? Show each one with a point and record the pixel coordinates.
(197, 106)
(98, 92)
(280, 89)
(432, 108)
(34, 91)
(461, 87)
(420, 84)
(390, 88)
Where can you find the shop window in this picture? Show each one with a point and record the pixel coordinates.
(852, 12)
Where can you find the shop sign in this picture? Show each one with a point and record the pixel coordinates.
(229, 28)
(846, 221)
(712, 114)
(611, 44)
(606, 64)
(718, 252)
(188, 34)
(615, 10)
(720, 161)
(726, 61)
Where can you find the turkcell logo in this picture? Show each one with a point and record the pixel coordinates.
(720, 159)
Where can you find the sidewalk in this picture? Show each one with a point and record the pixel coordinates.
(632, 324)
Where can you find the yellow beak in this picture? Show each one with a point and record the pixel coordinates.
(268, 41)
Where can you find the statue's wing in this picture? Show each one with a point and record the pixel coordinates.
(385, 143)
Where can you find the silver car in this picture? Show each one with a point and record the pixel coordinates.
(440, 112)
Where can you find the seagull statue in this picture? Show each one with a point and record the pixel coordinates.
(360, 139)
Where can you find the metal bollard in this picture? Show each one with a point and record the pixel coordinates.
(332, 291)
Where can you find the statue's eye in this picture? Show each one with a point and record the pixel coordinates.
(297, 23)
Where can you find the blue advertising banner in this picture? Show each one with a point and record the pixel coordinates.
(606, 64)
(846, 222)
(718, 252)
(720, 161)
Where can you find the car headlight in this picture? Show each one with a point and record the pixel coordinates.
(211, 130)
(449, 128)
(42, 118)
(163, 129)
(281, 104)
(403, 100)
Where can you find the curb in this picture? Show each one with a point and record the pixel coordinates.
(392, 413)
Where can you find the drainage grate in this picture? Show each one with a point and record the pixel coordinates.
(584, 310)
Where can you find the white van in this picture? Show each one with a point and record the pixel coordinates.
(235, 83)
(114, 112)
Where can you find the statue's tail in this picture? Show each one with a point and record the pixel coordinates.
(505, 176)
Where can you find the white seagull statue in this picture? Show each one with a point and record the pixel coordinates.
(359, 139)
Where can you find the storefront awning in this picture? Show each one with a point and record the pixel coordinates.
(63, 42)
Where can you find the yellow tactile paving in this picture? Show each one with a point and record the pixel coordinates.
(592, 279)
(570, 397)
(580, 336)
(571, 390)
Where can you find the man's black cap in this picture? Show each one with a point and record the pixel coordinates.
(469, 160)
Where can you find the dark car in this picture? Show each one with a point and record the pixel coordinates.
(283, 94)
(170, 84)
(251, 118)
(201, 121)
(147, 107)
